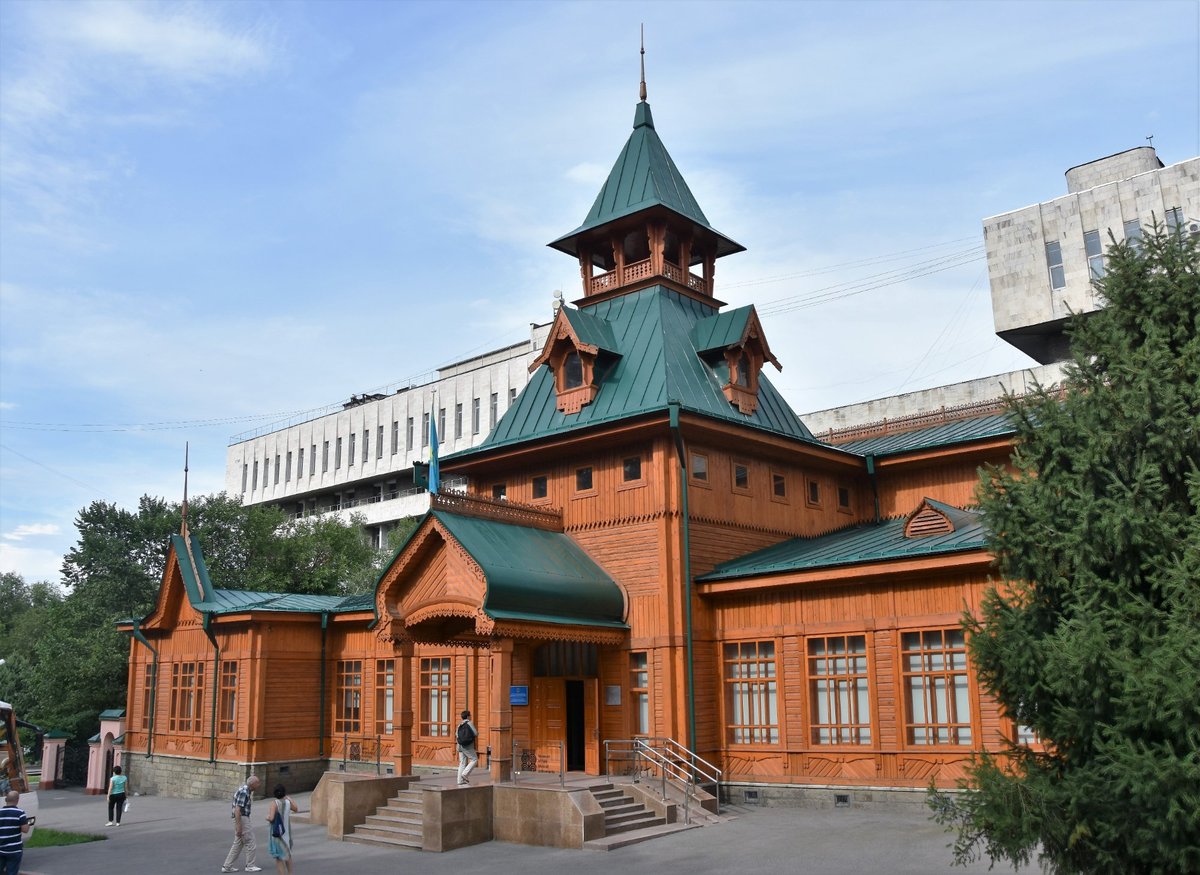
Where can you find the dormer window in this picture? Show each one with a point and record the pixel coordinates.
(742, 389)
(572, 370)
(576, 343)
(736, 337)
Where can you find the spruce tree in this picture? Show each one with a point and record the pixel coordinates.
(1091, 636)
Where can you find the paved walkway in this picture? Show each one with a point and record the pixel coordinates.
(191, 838)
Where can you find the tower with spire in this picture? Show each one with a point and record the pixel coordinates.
(645, 227)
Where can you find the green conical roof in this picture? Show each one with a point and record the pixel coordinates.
(644, 177)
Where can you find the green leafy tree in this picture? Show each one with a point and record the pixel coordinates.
(1093, 640)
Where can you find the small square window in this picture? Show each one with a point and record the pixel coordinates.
(540, 489)
(741, 476)
(814, 493)
(778, 485)
(699, 467)
(583, 479)
(632, 468)
(499, 491)
(843, 498)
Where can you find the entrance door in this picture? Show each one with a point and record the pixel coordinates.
(591, 725)
(548, 710)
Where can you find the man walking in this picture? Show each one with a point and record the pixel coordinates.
(14, 823)
(243, 830)
(465, 737)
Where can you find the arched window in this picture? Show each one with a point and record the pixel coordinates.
(572, 371)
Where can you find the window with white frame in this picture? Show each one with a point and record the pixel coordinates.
(751, 714)
(936, 689)
(839, 699)
(435, 696)
(1054, 263)
(1094, 248)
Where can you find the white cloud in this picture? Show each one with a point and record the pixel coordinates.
(81, 66)
(33, 564)
(187, 41)
(29, 530)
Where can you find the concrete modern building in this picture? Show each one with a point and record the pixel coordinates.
(357, 458)
(1042, 258)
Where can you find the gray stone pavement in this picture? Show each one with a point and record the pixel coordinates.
(192, 837)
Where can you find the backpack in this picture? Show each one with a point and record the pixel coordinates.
(465, 734)
(277, 820)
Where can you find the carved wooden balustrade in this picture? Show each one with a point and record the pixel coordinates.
(640, 270)
(549, 519)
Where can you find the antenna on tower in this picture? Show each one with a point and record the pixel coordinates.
(558, 299)
(1150, 139)
(642, 90)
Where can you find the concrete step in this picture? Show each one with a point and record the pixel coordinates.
(623, 807)
(383, 841)
(638, 813)
(646, 820)
(401, 822)
(633, 837)
(402, 805)
(380, 830)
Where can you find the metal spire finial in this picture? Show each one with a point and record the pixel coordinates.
(642, 91)
(183, 529)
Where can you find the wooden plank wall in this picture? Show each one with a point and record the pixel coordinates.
(880, 612)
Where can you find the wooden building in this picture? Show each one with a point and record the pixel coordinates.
(652, 545)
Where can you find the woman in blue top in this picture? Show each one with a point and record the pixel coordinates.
(280, 845)
(116, 796)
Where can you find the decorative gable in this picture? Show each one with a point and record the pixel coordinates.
(737, 336)
(573, 348)
(928, 519)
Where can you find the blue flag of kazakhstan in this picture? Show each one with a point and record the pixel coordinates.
(433, 454)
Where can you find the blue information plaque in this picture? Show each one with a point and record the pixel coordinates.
(518, 695)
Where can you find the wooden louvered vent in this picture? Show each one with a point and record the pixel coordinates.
(927, 521)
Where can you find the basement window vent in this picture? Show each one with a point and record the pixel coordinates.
(841, 800)
(750, 797)
(283, 770)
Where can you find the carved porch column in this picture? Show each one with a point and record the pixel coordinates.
(499, 709)
(403, 729)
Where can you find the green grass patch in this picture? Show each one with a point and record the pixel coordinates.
(52, 838)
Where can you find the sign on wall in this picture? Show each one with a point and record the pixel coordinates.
(518, 695)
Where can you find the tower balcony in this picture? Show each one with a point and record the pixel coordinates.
(644, 270)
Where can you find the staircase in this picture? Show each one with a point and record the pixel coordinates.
(395, 825)
(626, 821)
(621, 812)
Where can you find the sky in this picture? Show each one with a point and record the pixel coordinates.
(217, 215)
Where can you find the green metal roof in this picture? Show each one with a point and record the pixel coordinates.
(590, 329)
(867, 542)
(230, 601)
(112, 714)
(644, 176)
(958, 432)
(721, 330)
(658, 363)
(537, 575)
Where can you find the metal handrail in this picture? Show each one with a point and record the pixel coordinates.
(522, 750)
(671, 761)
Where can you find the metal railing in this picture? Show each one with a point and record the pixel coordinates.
(667, 761)
(363, 749)
(526, 757)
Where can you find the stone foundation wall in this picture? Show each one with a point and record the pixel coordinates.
(184, 778)
(800, 796)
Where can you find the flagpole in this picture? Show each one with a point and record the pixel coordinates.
(434, 477)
